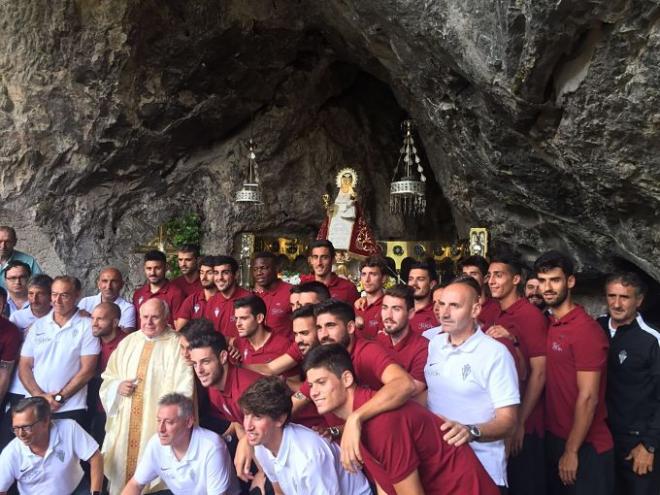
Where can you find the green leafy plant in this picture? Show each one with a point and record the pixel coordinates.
(185, 229)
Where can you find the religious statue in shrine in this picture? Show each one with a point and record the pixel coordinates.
(344, 224)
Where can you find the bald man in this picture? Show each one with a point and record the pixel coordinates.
(145, 366)
(110, 284)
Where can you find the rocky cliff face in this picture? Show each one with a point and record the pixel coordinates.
(539, 120)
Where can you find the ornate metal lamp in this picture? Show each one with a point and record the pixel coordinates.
(408, 187)
(250, 193)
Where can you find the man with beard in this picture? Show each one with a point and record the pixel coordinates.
(220, 308)
(477, 267)
(274, 293)
(633, 386)
(402, 448)
(105, 326)
(532, 292)
(194, 306)
(579, 453)
(157, 286)
(526, 327)
(187, 257)
(110, 284)
(409, 349)
(422, 277)
(8, 254)
(321, 257)
(373, 274)
(472, 381)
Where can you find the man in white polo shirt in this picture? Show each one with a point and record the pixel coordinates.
(294, 458)
(472, 380)
(110, 284)
(59, 354)
(190, 460)
(45, 457)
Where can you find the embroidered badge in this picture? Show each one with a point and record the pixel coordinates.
(196, 308)
(140, 300)
(622, 356)
(59, 454)
(216, 312)
(467, 369)
(557, 347)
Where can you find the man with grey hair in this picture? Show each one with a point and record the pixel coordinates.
(60, 353)
(189, 459)
(8, 253)
(45, 455)
(144, 366)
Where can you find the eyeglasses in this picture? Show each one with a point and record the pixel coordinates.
(17, 279)
(23, 428)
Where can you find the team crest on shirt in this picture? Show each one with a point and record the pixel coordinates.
(224, 406)
(557, 347)
(196, 308)
(59, 454)
(622, 356)
(245, 353)
(141, 298)
(465, 372)
(216, 312)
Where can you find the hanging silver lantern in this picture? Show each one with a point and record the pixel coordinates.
(250, 193)
(408, 187)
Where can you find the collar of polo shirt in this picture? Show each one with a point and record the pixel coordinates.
(470, 344)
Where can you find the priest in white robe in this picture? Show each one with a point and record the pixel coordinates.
(145, 366)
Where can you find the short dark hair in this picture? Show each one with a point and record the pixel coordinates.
(216, 341)
(554, 259)
(319, 288)
(39, 404)
(183, 403)
(227, 260)
(115, 311)
(69, 280)
(255, 303)
(303, 312)
(196, 327)
(335, 307)
(475, 260)
(333, 357)
(42, 280)
(207, 261)
(268, 396)
(401, 291)
(513, 265)
(18, 264)
(155, 255)
(421, 265)
(324, 243)
(10, 230)
(375, 261)
(189, 248)
(628, 279)
(265, 255)
(467, 280)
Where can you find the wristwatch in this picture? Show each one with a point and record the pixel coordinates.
(334, 432)
(59, 398)
(475, 432)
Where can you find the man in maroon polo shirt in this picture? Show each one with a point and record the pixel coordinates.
(532, 292)
(422, 277)
(194, 305)
(105, 325)
(525, 326)
(477, 267)
(10, 345)
(187, 257)
(274, 292)
(321, 257)
(402, 449)
(220, 308)
(373, 274)
(256, 343)
(579, 446)
(155, 267)
(409, 349)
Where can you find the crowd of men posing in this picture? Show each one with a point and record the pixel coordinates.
(488, 383)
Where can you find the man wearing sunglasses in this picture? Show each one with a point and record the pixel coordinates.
(45, 455)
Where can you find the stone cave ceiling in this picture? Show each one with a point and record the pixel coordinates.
(539, 120)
